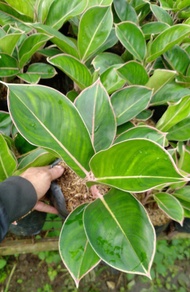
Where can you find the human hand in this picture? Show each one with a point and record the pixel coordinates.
(41, 178)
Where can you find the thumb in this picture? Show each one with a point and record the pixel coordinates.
(56, 171)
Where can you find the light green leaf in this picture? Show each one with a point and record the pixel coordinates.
(65, 44)
(129, 102)
(5, 123)
(99, 2)
(167, 39)
(120, 240)
(125, 11)
(10, 16)
(8, 42)
(48, 119)
(184, 160)
(134, 73)
(183, 194)
(30, 46)
(135, 165)
(170, 205)
(170, 92)
(8, 66)
(109, 43)
(174, 114)
(94, 28)
(161, 14)
(132, 38)
(43, 8)
(111, 79)
(75, 69)
(105, 60)
(7, 160)
(61, 11)
(24, 7)
(180, 131)
(143, 132)
(92, 104)
(153, 28)
(159, 78)
(178, 59)
(74, 248)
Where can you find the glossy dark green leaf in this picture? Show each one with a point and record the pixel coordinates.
(167, 39)
(170, 205)
(178, 59)
(44, 116)
(143, 132)
(75, 69)
(161, 14)
(132, 38)
(111, 79)
(153, 28)
(61, 11)
(30, 45)
(8, 42)
(174, 114)
(135, 165)
(7, 160)
(75, 250)
(180, 131)
(5, 123)
(159, 78)
(94, 28)
(134, 73)
(8, 66)
(129, 102)
(106, 59)
(92, 104)
(125, 11)
(21, 144)
(120, 240)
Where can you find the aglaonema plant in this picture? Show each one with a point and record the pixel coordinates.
(115, 227)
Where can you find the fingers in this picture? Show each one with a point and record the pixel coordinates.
(42, 207)
(56, 171)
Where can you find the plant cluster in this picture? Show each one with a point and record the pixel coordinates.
(124, 123)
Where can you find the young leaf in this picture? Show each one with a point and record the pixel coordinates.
(135, 165)
(47, 118)
(119, 230)
(92, 104)
(134, 73)
(94, 28)
(159, 78)
(129, 102)
(132, 39)
(8, 66)
(170, 205)
(7, 161)
(167, 39)
(75, 69)
(75, 250)
(61, 11)
(174, 114)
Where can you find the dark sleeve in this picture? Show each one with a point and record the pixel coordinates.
(17, 198)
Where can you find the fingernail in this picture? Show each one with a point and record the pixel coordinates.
(59, 166)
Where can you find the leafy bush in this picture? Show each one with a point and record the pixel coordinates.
(124, 124)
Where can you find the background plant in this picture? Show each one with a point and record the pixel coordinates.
(129, 63)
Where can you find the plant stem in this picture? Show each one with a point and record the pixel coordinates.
(95, 192)
(10, 277)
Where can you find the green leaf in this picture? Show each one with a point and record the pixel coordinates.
(143, 132)
(48, 119)
(8, 42)
(178, 59)
(103, 61)
(144, 115)
(94, 28)
(30, 46)
(134, 73)
(170, 205)
(65, 44)
(159, 78)
(171, 92)
(129, 102)
(8, 66)
(7, 161)
(75, 69)
(183, 194)
(125, 11)
(132, 39)
(153, 28)
(9, 16)
(184, 160)
(5, 123)
(111, 79)
(74, 248)
(61, 11)
(99, 2)
(174, 114)
(135, 165)
(43, 9)
(92, 104)
(109, 222)
(24, 7)
(36, 71)
(167, 39)
(161, 14)
(180, 131)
